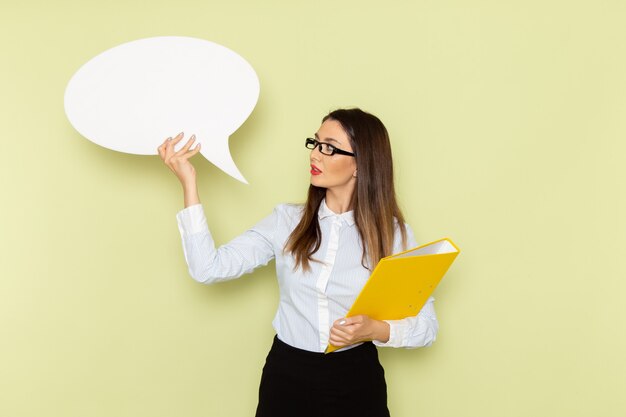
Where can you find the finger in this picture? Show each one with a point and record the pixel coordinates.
(176, 161)
(161, 148)
(167, 147)
(171, 142)
(340, 322)
(349, 321)
(336, 336)
(341, 340)
(187, 145)
(192, 152)
(340, 333)
(185, 157)
(337, 342)
(177, 138)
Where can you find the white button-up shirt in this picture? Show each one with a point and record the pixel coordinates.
(309, 301)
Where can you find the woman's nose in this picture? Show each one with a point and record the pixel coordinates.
(316, 154)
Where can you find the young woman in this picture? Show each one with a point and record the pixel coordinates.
(324, 251)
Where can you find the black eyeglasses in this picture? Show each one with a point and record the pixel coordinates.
(325, 148)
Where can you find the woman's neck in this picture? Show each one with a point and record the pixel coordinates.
(338, 202)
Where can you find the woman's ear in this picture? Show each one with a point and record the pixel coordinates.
(354, 175)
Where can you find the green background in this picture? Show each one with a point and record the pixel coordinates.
(507, 125)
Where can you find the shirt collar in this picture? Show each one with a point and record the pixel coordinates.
(324, 212)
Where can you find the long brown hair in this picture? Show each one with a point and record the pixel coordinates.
(373, 201)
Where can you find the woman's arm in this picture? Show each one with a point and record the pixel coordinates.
(208, 264)
(411, 332)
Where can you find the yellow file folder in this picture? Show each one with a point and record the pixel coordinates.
(401, 283)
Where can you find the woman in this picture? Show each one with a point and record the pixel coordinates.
(324, 251)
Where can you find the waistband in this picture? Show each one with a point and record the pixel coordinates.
(364, 350)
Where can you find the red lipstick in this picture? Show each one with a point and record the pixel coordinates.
(315, 170)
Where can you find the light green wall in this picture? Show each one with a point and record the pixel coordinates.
(507, 122)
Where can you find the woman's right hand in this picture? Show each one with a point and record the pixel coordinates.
(178, 161)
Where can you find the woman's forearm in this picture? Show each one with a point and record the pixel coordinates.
(190, 194)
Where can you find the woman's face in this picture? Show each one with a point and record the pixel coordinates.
(333, 172)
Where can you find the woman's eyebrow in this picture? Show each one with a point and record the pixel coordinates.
(328, 139)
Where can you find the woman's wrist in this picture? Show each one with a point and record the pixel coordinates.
(381, 331)
(190, 194)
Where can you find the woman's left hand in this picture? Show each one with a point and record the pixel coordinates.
(351, 330)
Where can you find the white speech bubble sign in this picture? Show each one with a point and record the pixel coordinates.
(132, 97)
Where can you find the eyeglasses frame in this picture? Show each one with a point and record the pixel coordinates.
(335, 150)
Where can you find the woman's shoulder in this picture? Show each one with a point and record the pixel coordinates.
(281, 220)
(289, 211)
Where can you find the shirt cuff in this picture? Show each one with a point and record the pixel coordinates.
(396, 335)
(191, 220)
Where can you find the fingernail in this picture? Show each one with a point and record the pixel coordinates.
(168, 139)
(342, 322)
(180, 134)
(193, 136)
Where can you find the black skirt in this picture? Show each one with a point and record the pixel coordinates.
(299, 383)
